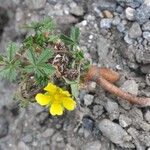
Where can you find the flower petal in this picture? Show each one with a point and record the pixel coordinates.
(65, 93)
(69, 103)
(42, 99)
(51, 88)
(56, 109)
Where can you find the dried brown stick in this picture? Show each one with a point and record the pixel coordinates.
(94, 75)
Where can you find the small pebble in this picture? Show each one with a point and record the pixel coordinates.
(88, 99)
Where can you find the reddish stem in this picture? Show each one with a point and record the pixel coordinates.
(94, 75)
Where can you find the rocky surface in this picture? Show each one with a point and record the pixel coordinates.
(114, 34)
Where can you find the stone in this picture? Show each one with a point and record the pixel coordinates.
(146, 26)
(4, 126)
(92, 86)
(107, 5)
(116, 20)
(135, 31)
(127, 39)
(88, 123)
(112, 109)
(98, 110)
(145, 138)
(95, 145)
(124, 121)
(142, 14)
(120, 27)
(88, 99)
(48, 133)
(22, 146)
(147, 116)
(106, 23)
(35, 4)
(146, 35)
(77, 10)
(107, 14)
(129, 12)
(130, 86)
(27, 138)
(115, 133)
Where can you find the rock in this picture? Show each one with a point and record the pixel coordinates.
(92, 86)
(22, 146)
(88, 123)
(27, 138)
(120, 27)
(146, 26)
(129, 12)
(35, 4)
(95, 145)
(130, 86)
(116, 20)
(98, 110)
(76, 10)
(107, 14)
(112, 109)
(48, 133)
(88, 99)
(146, 35)
(124, 121)
(142, 14)
(135, 31)
(4, 125)
(103, 45)
(127, 39)
(147, 116)
(145, 138)
(115, 133)
(105, 23)
(107, 5)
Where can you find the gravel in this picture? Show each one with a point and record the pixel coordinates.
(135, 31)
(88, 99)
(4, 127)
(146, 26)
(95, 145)
(106, 23)
(115, 133)
(146, 35)
(129, 12)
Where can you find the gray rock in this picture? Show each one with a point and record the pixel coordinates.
(129, 12)
(112, 109)
(145, 138)
(147, 116)
(27, 138)
(35, 4)
(116, 20)
(77, 10)
(120, 27)
(130, 86)
(146, 35)
(98, 110)
(95, 145)
(4, 125)
(106, 23)
(124, 121)
(107, 5)
(146, 26)
(115, 133)
(88, 99)
(142, 14)
(127, 39)
(48, 133)
(135, 31)
(22, 146)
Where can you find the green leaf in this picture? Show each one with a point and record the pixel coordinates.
(75, 90)
(1, 58)
(31, 57)
(67, 40)
(74, 35)
(53, 38)
(11, 51)
(45, 55)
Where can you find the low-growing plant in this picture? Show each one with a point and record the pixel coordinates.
(43, 58)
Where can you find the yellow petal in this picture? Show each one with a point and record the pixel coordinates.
(42, 99)
(69, 103)
(51, 88)
(56, 109)
(65, 93)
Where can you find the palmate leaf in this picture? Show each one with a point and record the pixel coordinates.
(74, 35)
(67, 40)
(9, 71)
(11, 51)
(45, 55)
(31, 57)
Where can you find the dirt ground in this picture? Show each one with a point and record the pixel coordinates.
(114, 34)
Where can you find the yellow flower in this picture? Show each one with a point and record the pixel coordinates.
(56, 98)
